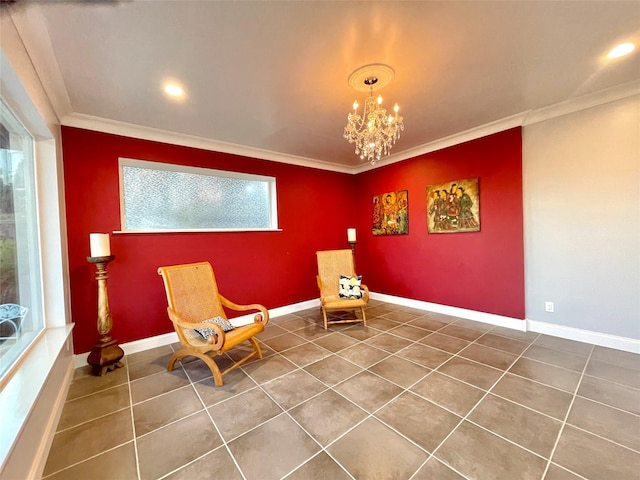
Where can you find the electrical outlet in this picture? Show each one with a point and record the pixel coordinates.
(548, 307)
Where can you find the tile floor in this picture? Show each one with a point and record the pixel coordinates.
(413, 395)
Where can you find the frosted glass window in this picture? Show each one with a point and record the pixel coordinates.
(159, 196)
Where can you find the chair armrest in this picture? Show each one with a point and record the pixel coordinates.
(262, 317)
(365, 292)
(217, 340)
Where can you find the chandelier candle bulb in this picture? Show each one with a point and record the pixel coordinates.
(99, 243)
(351, 235)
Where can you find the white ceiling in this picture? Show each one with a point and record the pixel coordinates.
(273, 75)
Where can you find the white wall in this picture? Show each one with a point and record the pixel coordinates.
(582, 218)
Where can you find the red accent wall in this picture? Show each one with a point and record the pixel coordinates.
(272, 268)
(481, 271)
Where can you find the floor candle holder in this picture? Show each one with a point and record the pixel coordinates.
(106, 353)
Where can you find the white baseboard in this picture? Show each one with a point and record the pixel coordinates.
(596, 338)
(490, 318)
(579, 335)
(40, 459)
(80, 360)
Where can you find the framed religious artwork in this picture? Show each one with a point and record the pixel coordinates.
(391, 213)
(453, 207)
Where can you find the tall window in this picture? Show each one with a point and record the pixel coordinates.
(20, 275)
(166, 197)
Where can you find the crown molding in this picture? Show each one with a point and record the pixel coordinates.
(114, 127)
(451, 140)
(521, 119)
(583, 102)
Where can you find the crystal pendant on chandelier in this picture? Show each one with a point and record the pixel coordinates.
(375, 132)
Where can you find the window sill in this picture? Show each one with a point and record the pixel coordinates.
(200, 230)
(22, 390)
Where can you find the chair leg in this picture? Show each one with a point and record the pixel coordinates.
(256, 346)
(364, 317)
(182, 353)
(324, 314)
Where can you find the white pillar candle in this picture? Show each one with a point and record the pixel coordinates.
(351, 235)
(100, 244)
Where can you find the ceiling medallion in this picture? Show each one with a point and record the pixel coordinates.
(375, 132)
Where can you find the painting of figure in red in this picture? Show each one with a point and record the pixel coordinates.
(391, 213)
(453, 207)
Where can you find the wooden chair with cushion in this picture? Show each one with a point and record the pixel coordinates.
(331, 265)
(193, 298)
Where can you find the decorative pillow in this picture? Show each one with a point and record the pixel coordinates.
(350, 286)
(208, 332)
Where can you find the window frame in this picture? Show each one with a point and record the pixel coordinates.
(172, 167)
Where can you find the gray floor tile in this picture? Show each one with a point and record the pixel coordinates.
(239, 414)
(320, 467)
(419, 420)
(268, 368)
(368, 390)
(273, 449)
(610, 423)
(559, 358)
(305, 354)
(171, 447)
(334, 342)
(542, 398)
(118, 463)
(616, 357)
(154, 385)
(444, 342)
(592, 457)
(373, 428)
(327, 416)
(92, 438)
(614, 373)
(530, 429)
(88, 384)
(474, 373)
(449, 393)
(363, 355)
(399, 371)
(373, 447)
(613, 394)
(436, 470)
(461, 332)
(489, 356)
(160, 411)
(293, 388)
(479, 454)
(423, 355)
(93, 406)
(388, 343)
(332, 370)
(235, 382)
(510, 345)
(218, 464)
(548, 374)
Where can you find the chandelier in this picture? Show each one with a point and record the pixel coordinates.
(375, 132)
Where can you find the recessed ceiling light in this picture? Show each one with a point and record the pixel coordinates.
(621, 50)
(174, 90)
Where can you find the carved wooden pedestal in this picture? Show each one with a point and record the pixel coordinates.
(106, 353)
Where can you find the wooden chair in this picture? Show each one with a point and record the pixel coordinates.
(332, 264)
(192, 295)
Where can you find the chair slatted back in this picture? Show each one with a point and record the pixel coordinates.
(192, 291)
(332, 264)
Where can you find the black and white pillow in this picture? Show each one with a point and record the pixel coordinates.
(206, 332)
(350, 286)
